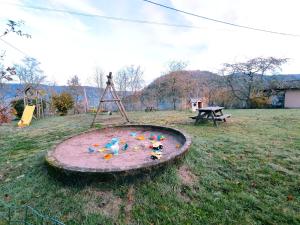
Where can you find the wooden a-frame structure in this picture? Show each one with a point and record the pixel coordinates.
(115, 98)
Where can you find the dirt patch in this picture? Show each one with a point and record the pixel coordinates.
(186, 176)
(105, 203)
(129, 204)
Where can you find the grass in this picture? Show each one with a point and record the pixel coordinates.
(246, 171)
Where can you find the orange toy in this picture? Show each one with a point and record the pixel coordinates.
(95, 145)
(140, 138)
(107, 156)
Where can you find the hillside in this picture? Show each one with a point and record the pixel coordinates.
(160, 92)
(173, 90)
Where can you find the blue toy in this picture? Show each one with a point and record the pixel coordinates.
(125, 147)
(115, 149)
(132, 134)
(91, 150)
(108, 145)
(114, 141)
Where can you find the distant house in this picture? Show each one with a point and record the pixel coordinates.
(287, 97)
(198, 103)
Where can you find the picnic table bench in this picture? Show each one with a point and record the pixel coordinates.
(210, 113)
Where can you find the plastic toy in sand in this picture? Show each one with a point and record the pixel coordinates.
(156, 146)
(161, 137)
(113, 145)
(115, 149)
(108, 156)
(133, 134)
(140, 138)
(156, 150)
(91, 150)
(125, 147)
(102, 150)
(156, 155)
(152, 137)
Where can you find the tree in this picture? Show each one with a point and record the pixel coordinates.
(12, 27)
(29, 72)
(130, 78)
(245, 79)
(76, 91)
(175, 69)
(98, 78)
(6, 73)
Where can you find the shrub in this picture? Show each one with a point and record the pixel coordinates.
(18, 105)
(5, 114)
(259, 102)
(63, 102)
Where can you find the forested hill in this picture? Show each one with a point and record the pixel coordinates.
(168, 91)
(161, 91)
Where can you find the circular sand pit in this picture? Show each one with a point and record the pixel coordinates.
(140, 147)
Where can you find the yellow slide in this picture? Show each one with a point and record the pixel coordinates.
(27, 116)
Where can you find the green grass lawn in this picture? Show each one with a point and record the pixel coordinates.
(246, 171)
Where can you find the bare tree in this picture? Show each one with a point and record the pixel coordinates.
(130, 78)
(76, 91)
(245, 79)
(175, 69)
(98, 78)
(122, 81)
(6, 73)
(29, 72)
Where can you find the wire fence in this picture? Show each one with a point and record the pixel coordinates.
(26, 215)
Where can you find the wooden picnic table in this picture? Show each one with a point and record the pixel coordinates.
(213, 113)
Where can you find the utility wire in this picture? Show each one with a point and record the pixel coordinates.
(105, 17)
(14, 47)
(220, 21)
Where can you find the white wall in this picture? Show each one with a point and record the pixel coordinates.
(292, 99)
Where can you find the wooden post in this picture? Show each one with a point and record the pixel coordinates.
(115, 98)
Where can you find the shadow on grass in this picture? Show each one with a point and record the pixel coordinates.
(83, 179)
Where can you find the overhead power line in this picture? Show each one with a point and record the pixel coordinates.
(104, 17)
(14, 47)
(220, 21)
(146, 21)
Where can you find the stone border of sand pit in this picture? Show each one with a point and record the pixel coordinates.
(130, 170)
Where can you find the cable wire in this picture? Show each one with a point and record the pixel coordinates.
(105, 17)
(220, 21)
(14, 47)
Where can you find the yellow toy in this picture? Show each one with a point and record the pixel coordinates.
(27, 116)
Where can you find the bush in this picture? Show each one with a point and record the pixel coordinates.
(63, 102)
(18, 105)
(259, 102)
(5, 114)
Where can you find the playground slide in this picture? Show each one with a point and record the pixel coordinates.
(27, 116)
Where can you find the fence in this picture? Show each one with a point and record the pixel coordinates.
(24, 215)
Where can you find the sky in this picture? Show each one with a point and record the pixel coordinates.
(68, 44)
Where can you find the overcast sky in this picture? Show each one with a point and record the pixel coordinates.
(68, 44)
